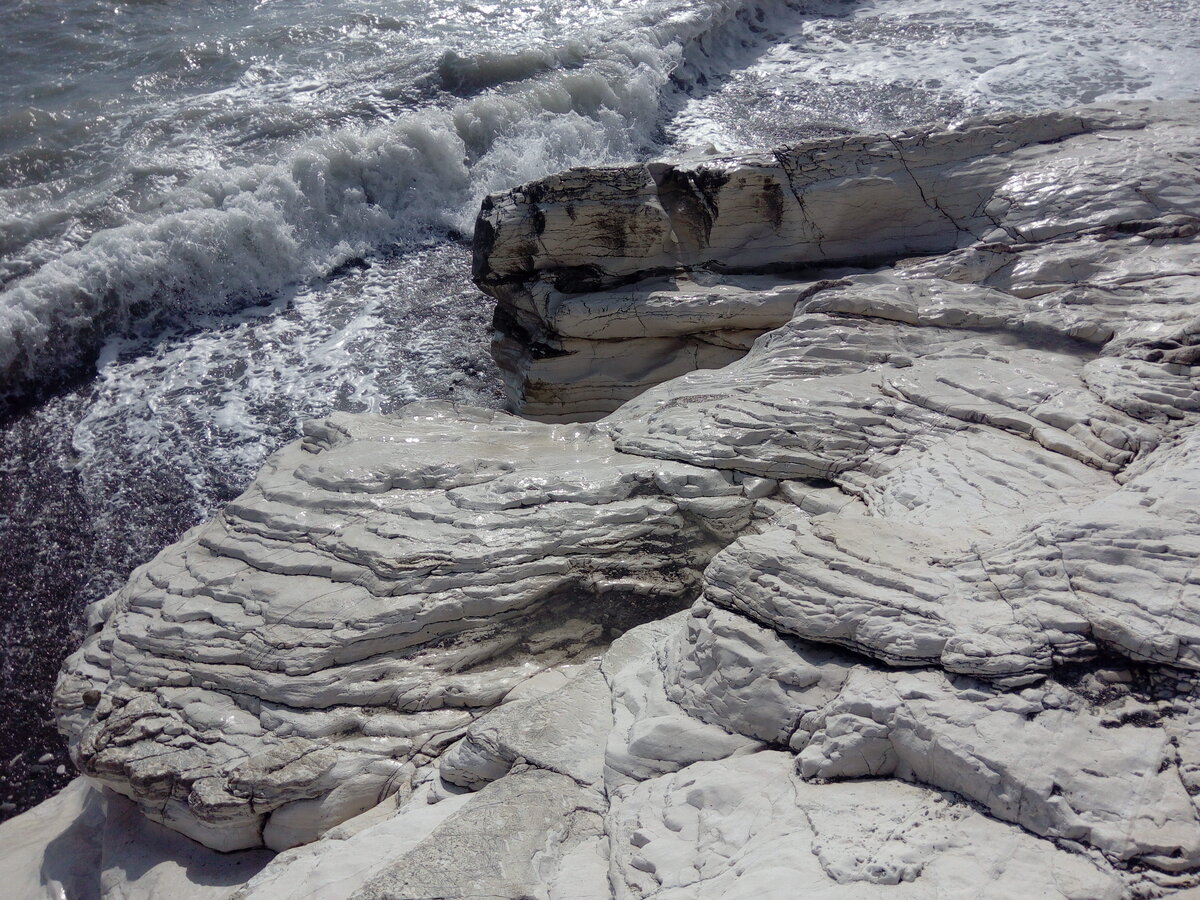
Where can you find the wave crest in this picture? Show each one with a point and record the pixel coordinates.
(230, 237)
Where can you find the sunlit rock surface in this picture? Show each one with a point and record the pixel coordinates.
(611, 280)
(294, 661)
(901, 601)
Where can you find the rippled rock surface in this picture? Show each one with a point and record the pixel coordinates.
(901, 601)
(383, 582)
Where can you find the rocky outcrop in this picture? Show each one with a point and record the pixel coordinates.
(611, 280)
(294, 661)
(901, 602)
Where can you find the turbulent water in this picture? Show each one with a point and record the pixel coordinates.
(221, 217)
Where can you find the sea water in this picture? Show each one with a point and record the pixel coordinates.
(219, 218)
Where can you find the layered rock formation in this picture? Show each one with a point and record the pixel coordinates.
(609, 281)
(904, 596)
(292, 662)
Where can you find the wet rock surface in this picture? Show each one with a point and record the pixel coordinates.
(611, 280)
(898, 602)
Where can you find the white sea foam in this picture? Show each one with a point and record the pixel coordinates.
(234, 235)
(206, 405)
(872, 66)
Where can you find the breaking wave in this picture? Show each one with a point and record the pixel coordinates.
(233, 236)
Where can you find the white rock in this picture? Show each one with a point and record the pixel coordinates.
(520, 836)
(585, 318)
(333, 867)
(941, 522)
(86, 843)
(651, 734)
(562, 732)
(749, 828)
(381, 584)
(52, 851)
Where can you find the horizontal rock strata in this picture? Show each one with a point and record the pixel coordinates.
(899, 602)
(289, 664)
(611, 280)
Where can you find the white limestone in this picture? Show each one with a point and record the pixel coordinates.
(749, 828)
(901, 601)
(87, 843)
(339, 625)
(599, 273)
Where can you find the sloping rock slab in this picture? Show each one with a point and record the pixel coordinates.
(379, 585)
